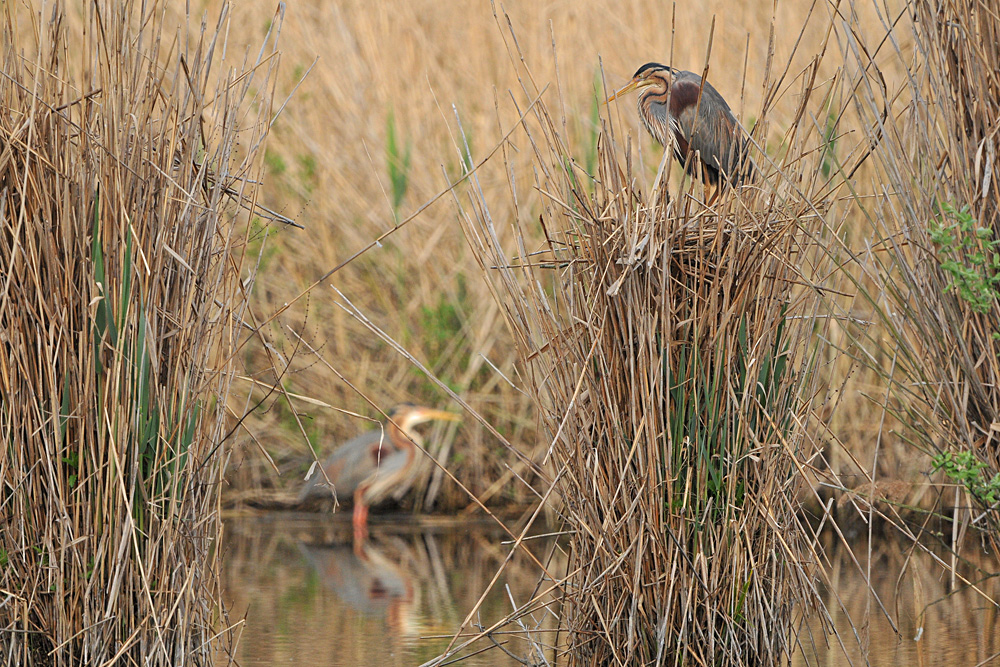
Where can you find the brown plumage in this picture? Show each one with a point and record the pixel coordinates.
(687, 116)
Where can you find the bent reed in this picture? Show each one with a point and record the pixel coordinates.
(123, 153)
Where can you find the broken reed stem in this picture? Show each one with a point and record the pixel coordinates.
(120, 309)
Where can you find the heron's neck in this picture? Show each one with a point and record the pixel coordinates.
(404, 436)
(653, 112)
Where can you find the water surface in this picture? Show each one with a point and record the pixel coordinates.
(918, 615)
(309, 598)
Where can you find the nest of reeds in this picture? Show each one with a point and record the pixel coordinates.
(692, 246)
(122, 305)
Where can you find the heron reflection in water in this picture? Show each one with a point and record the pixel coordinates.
(373, 465)
(370, 582)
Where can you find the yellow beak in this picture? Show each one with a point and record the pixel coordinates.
(627, 88)
(427, 414)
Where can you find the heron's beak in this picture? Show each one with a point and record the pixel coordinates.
(428, 414)
(627, 88)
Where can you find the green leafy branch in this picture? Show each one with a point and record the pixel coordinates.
(964, 468)
(970, 255)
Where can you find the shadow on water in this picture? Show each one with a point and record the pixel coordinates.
(309, 598)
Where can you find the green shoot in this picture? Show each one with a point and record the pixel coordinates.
(399, 163)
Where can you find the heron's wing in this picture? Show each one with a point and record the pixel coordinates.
(394, 470)
(351, 464)
(708, 126)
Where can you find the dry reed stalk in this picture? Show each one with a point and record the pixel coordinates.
(668, 347)
(937, 226)
(122, 301)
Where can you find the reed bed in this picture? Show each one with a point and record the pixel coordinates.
(669, 348)
(128, 164)
(933, 260)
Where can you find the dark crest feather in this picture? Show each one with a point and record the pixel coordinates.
(652, 65)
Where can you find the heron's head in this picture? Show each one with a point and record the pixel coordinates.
(407, 415)
(655, 76)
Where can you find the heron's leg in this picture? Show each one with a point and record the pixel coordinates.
(360, 530)
(360, 521)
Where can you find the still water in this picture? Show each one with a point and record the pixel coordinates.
(306, 597)
(309, 598)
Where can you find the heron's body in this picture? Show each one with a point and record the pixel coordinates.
(370, 466)
(352, 464)
(689, 117)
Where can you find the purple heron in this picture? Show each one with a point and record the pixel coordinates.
(689, 116)
(372, 465)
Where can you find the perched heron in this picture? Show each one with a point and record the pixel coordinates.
(687, 114)
(373, 464)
